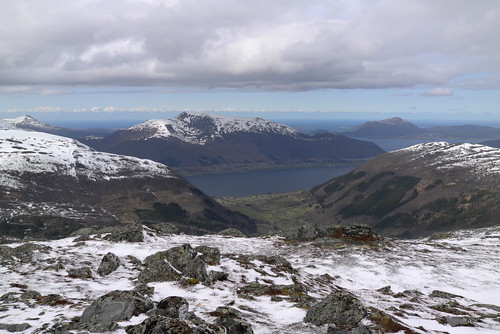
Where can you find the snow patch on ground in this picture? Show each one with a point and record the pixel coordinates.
(464, 263)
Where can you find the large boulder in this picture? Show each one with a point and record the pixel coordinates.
(127, 233)
(110, 262)
(103, 313)
(173, 264)
(232, 321)
(339, 308)
(174, 307)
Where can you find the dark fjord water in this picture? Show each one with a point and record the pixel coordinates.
(265, 181)
(283, 180)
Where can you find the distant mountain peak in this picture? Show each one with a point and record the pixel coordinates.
(28, 122)
(390, 127)
(197, 128)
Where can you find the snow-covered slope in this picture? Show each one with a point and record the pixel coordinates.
(418, 190)
(479, 159)
(23, 152)
(198, 128)
(28, 122)
(397, 277)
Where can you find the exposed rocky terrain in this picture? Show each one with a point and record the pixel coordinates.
(417, 191)
(335, 279)
(200, 143)
(397, 127)
(51, 185)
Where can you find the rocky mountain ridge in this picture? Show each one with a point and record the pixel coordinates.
(333, 283)
(201, 143)
(71, 185)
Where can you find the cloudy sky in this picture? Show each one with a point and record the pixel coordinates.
(117, 57)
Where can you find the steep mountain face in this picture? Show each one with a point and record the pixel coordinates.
(51, 185)
(391, 127)
(192, 142)
(417, 191)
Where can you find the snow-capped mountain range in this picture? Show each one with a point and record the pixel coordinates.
(206, 143)
(199, 128)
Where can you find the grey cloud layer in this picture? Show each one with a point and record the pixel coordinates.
(275, 45)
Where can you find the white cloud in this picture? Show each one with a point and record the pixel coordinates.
(278, 45)
(437, 92)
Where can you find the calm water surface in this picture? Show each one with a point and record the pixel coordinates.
(265, 181)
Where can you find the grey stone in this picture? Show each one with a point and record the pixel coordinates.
(339, 308)
(210, 255)
(442, 294)
(165, 228)
(15, 327)
(174, 307)
(128, 233)
(144, 289)
(30, 294)
(114, 306)
(160, 325)
(232, 321)
(458, 321)
(172, 264)
(214, 276)
(232, 232)
(83, 272)
(358, 330)
(110, 262)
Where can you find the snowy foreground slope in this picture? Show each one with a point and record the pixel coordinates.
(463, 264)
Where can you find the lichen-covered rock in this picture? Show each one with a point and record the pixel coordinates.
(339, 308)
(30, 294)
(173, 264)
(128, 233)
(103, 313)
(348, 232)
(232, 321)
(160, 325)
(210, 255)
(257, 289)
(358, 330)
(165, 228)
(144, 289)
(83, 272)
(458, 321)
(174, 307)
(14, 327)
(110, 262)
(232, 232)
(214, 276)
(443, 294)
(23, 253)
